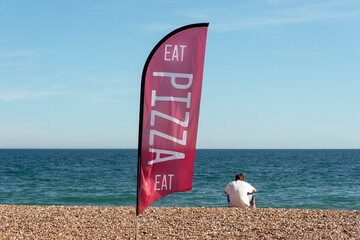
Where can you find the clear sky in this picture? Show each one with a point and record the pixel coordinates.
(278, 73)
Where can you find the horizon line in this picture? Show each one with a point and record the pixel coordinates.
(15, 148)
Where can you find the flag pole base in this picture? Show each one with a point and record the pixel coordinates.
(136, 228)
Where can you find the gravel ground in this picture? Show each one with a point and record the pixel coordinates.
(60, 222)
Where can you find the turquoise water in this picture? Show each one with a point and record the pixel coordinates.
(319, 179)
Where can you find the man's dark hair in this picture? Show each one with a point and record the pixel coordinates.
(240, 176)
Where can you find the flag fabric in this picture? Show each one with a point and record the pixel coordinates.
(169, 113)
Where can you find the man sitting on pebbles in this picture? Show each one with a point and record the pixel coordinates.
(240, 193)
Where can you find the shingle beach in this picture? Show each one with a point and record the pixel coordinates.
(64, 222)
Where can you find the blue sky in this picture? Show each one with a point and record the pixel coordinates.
(278, 73)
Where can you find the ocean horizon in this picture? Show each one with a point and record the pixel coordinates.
(284, 178)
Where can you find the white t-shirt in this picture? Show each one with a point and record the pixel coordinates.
(237, 191)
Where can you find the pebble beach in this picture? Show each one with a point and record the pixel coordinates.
(89, 222)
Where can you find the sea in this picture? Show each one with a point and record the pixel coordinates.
(303, 179)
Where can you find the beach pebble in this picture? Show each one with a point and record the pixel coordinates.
(65, 222)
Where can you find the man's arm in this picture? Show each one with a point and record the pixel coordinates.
(254, 191)
(225, 191)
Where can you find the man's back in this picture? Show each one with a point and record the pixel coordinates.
(238, 191)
